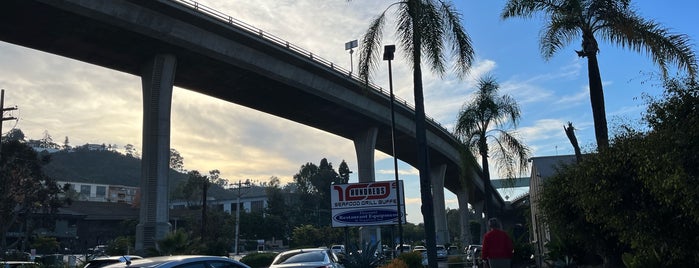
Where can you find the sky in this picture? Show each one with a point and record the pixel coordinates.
(84, 103)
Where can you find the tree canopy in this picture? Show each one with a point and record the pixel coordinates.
(24, 189)
(638, 198)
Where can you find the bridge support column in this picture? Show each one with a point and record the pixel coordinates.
(478, 207)
(440, 215)
(464, 215)
(364, 146)
(157, 80)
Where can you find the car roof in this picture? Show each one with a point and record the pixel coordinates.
(166, 260)
(117, 258)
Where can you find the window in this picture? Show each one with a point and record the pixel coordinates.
(85, 190)
(257, 206)
(101, 191)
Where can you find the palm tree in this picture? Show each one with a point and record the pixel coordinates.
(614, 21)
(482, 119)
(423, 26)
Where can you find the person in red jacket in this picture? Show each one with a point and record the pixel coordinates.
(497, 246)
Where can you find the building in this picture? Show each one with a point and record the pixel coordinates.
(542, 168)
(97, 192)
(252, 199)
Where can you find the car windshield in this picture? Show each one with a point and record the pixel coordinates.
(313, 256)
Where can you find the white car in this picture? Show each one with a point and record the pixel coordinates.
(338, 248)
(442, 252)
(307, 257)
(181, 261)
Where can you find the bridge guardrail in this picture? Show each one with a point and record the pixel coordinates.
(303, 52)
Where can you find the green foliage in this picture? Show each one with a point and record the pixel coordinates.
(25, 190)
(178, 243)
(456, 261)
(122, 245)
(365, 258)
(107, 167)
(395, 263)
(639, 196)
(45, 244)
(306, 236)
(258, 260)
(642, 260)
(413, 259)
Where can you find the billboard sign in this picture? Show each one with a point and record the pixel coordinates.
(367, 203)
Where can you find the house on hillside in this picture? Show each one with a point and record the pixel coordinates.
(97, 192)
(253, 199)
(542, 168)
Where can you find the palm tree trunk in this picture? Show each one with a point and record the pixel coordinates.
(422, 154)
(486, 187)
(597, 102)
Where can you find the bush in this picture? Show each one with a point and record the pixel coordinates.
(395, 263)
(456, 261)
(258, 260)
(412, 259)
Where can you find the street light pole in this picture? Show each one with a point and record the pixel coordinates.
(349, 46)
(237, 213)
(388, 52)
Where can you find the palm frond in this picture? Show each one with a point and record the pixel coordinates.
(643, 36)
(558, 33)
(431, 32)
(404, 29)
(457, 36)
(511, 153)
(371, 42)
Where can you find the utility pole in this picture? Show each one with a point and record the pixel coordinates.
(237, 213)
(2, 115)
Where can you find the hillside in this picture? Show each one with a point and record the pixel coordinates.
(99, 166)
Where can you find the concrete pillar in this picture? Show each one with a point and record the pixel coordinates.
(464, 221)
(157, 80)
(364, 146)
(478, 207)
(440, 216)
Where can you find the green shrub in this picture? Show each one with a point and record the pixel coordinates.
(258, 260)
(412, 259)
(395, 263)
(456, 261)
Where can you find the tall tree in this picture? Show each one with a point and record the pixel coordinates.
(612, 20)
(344, 172)
(24, 189)
(482, 120)
(15, 134)
(176, 160)
(429, 27)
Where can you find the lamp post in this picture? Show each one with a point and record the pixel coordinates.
(237, 213)
(349, 46)
(388, 52)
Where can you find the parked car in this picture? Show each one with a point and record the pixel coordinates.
(104, 261)
(406, 248)
(181, 261)
(307, 257)
(18, 264)
(420, 248)
(442, 252)
(473, 254)
(338, 248)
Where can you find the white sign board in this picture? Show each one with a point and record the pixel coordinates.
(364, 204)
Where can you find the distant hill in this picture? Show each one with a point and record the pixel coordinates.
(99, 166)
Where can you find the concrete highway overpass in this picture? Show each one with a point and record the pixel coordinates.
(181, 43)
